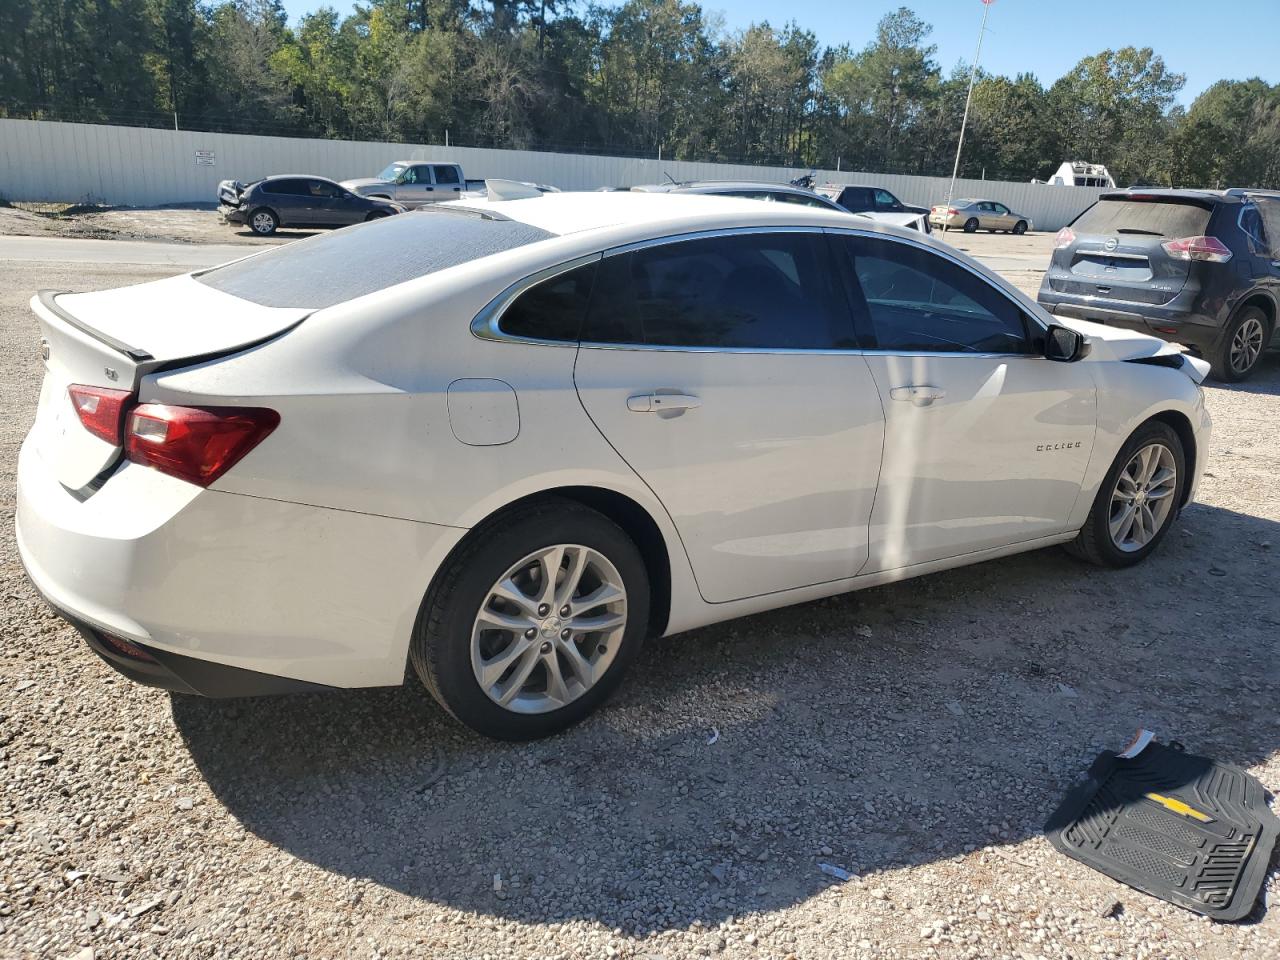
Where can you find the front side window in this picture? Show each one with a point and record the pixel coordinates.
(885, 200)
(421, 174)
(770, 290)
(319, 188)
(915, 300)
(553, 309)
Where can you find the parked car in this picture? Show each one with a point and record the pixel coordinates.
(412, 183)
(780, 193)
(973, 215)
(857, 198)
(481, 189)
(1196, 267)
(296, 201)
(561, 425)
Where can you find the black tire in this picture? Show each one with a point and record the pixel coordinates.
(1094, 543)
(971, 225)
(263, 221)
(1221, 361)
(441, 645)
(376, 215)
(1020, 227)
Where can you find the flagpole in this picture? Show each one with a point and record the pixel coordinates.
(973, 75)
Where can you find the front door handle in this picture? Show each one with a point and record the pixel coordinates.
(658, 402)
(921, 396)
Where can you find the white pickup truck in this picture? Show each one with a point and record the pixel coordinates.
(412, 183)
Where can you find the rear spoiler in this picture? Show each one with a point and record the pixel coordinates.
(48, 299)
(1159, 196)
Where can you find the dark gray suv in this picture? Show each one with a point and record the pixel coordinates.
(1197, 267)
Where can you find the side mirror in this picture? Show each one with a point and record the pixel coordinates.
(1065, 345)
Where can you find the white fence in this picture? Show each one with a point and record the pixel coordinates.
(136, 166)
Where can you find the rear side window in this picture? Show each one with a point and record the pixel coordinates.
(1157, 218)
(754, 291)
(856, 198)
(446, 174)
(290, 188)
(1269, 210)
(367, 257)
(919, 302)
(553, 309)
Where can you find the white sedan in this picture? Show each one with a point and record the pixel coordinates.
(506, 441)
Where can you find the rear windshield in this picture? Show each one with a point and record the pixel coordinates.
(1159, 218)
(368, 257)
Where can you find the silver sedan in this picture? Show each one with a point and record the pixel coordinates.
(974, 215)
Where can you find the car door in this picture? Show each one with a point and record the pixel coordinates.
(986, 441)
(325, 207)
(1269, 252)
(448, 184)
(415, 186)
(987, 218)
(1003, 218)
(724, 370)
(293, 202)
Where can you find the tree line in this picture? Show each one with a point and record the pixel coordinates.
(639, 78)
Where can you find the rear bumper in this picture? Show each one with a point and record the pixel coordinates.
(228, 594)
(1175, 321)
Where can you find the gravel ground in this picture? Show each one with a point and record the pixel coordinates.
(174, 224)
(916, 735)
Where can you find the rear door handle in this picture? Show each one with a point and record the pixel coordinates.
(921, 396)
(658, 402)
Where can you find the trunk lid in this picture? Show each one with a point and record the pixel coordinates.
(1117, 253)
(111, 339)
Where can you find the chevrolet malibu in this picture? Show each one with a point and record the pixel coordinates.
(507, 440)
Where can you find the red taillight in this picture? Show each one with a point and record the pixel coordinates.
(100, 409)
(1065, 238)
(1205, 249)
(196, 444)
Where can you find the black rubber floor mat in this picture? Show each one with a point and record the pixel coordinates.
(1183, 828)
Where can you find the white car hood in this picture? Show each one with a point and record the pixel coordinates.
(364, 183)
(1117, 343)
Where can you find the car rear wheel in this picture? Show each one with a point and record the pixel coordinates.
(1020, 227)
(1243, 342)
(534, 621)
(971, 225)
(263, 222)
(1137, 502)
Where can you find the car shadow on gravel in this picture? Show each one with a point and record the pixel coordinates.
(901, 725)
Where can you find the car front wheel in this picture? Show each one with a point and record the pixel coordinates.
(1137, 502)
(534, 620)
(1020, 227)
(263, 222)
(1243, 342)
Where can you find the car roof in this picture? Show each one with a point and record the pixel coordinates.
(709, 186)
(651, 214)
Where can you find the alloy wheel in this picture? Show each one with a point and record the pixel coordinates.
(1142, 500)
(1246, 345)
(263, 223)
(549, 628)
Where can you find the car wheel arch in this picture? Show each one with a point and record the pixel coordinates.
(635, 520)
(1263, 302)
(263, 207)
(1182, 427)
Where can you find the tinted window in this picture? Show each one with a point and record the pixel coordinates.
(885, 200)
(1270, 213)
(1153, 217)
(553, 309)
(801, 199)
(322, 188)
(916, 300)
(292, 188)
(856, 198)
(367, 257)
(446, 174)
(1252, 225)
(762, 290)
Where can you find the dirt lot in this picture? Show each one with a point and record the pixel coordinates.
(173, 224)
(916, 735)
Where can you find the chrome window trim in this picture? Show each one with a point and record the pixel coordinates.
(486, 324)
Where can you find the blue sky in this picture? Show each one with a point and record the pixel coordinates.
(1044, 37)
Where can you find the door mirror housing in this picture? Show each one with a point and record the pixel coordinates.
(1065, 345)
